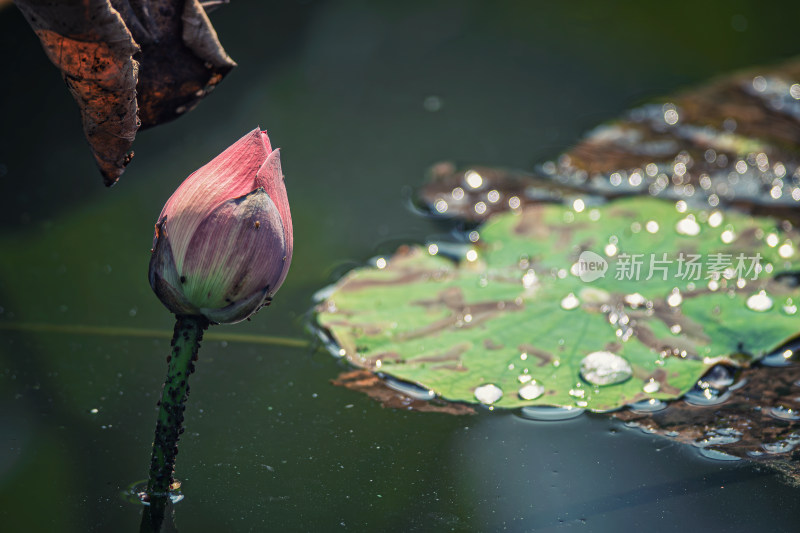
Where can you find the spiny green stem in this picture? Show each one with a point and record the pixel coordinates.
(180, 364)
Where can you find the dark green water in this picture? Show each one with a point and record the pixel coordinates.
(270, 444)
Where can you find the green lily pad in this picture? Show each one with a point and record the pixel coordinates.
(513, 321)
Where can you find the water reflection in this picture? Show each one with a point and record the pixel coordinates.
(540, 477)
(158, 517)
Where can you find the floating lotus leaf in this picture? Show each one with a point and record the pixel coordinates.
(547, 285)
(732, 142)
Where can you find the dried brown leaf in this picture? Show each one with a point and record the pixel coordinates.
(181, 58)
(91, 45)
(129, 64)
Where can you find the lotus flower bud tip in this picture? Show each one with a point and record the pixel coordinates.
(223, 242)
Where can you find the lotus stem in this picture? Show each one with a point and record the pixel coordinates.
(180, 364)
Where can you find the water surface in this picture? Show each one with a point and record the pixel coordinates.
(344, 88)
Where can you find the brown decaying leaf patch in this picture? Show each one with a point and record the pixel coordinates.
(128, 64)
(719, 116)
(747, 412)
(374, 387)
(444, 177)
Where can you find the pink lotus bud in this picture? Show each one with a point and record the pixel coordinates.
(223, 241)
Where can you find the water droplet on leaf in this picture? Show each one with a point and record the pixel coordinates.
(706, 397)
(675, 299)
(412, 390)
(531, 391)
(570, 302)
(605, 368)
(688, 226)
(784, 413)
(717, 455)
(759, 302)
(648, 406)
(488, 394)
(651, 386)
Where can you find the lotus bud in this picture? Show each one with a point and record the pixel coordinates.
(223, 242)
